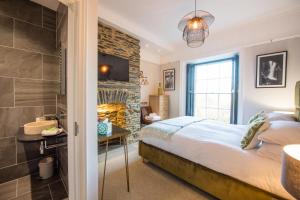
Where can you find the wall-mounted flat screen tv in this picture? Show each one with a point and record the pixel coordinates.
(112, 68)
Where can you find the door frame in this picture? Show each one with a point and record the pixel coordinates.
(82, 99)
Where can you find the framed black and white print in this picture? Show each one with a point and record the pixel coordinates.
(271, 70)
(169, 79)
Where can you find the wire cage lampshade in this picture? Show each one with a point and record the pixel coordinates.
(195, 27)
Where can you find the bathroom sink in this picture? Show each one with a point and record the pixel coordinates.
(35, 128)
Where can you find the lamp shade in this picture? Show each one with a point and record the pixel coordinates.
(290, 174)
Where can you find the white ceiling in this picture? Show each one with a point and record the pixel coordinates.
(155, 22)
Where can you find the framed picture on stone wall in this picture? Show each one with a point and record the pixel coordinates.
(271, 70)
(169, 79)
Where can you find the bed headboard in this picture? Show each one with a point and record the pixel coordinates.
(297, 100)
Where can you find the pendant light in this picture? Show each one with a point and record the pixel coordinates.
(195, 27)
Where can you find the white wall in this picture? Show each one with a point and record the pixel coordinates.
(254, 99)
(152, 71)
(251, 99)
(174, 106)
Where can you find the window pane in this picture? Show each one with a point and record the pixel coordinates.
(213, 86)
(225, 85)
(201, 72)
(224, 115)
(212, 101)
(225, 101)
(212, 113)
(201, 113)
(226, 69)
(200, 86)
(200, 100)
(212, 71)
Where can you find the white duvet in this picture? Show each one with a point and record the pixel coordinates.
(217, 146)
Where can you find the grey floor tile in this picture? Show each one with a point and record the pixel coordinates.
(58, 191)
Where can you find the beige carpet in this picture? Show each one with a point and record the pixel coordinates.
(147, 182)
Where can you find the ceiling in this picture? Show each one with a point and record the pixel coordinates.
(155, 22)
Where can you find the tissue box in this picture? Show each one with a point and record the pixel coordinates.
(104, 128)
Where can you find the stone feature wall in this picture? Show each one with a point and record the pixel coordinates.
(114, 42)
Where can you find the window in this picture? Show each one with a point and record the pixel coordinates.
(212, 90)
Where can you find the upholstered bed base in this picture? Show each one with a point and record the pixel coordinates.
(210, 181)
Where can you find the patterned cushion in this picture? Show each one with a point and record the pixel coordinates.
(256, 127)
(260, 115)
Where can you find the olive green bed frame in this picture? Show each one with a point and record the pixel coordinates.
(217, 184)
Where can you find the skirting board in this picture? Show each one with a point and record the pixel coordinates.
(217, 184)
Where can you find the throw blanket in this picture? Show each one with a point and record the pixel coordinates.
(166, 128)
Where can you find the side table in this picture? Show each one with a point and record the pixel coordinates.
(121, 133)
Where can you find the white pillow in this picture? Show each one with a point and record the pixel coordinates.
(270, 151)
(282, 133)
(281, 116)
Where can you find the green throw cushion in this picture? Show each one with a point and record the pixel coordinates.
(250, 140)
(260, 115)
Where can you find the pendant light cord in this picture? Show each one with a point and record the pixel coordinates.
(195, 7)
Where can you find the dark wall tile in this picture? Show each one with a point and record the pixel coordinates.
(35, 92)
(34, 38)
(7, 92)
(11, 119)
(22, 9)
(63, 163)
(8, 190)
(30, 151)
(58, 191)
(7, 151)
(6, 31)
(49, 110)
(34, 182)
(19, 63)
(19, 170)
(51, 68)
(49, 19)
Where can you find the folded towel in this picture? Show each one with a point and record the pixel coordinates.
(52, 131)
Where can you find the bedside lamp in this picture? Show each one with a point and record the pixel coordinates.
(290, 174)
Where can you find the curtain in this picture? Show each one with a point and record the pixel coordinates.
(235, 89)
(190, 89)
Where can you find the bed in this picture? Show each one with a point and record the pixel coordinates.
(207, 154)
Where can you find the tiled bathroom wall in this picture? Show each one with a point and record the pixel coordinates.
(62, 43)
(29, 84)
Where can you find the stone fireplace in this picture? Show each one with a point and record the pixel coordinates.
(115, 112)
(118, 106)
